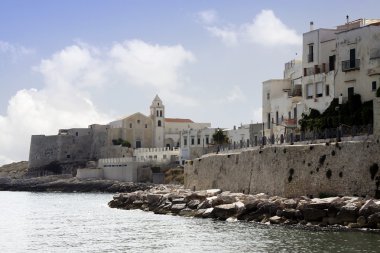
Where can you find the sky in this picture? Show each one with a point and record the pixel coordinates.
(66, 64)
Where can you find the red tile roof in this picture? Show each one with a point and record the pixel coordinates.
(175, 120)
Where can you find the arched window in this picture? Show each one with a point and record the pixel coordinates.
(157, 113)
(161, 113)
(159, 123)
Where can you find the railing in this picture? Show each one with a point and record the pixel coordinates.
(296, 92)
(350, 65)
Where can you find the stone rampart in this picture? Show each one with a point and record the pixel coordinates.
(347, 168)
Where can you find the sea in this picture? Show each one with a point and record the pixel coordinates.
(83, 222)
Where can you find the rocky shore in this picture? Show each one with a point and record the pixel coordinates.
(67, 183)
(332, 212)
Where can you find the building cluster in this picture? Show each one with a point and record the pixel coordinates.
(335, 63)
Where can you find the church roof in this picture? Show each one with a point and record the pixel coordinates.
(176, 120)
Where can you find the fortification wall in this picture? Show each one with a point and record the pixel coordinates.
(349, 168)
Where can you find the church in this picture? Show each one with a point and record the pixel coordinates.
(153, 131)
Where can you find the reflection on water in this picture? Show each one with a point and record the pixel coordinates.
(82, 222)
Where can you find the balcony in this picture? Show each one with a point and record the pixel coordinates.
(350, 65)
(317, 69)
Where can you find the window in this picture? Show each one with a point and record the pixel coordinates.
(146, 125)
(199, 141)
(268, 120)
(207, 140)
(350, 92)
(309, 91)
(159, 123)
(157, 113)
(68, 156)
(331, 62)
(319, 89)
(268, 95)
(138, 121)
(160, 113)
(374, 85)
(76, 133)
(130, 125)
(310, 56)
(289, 115)
(352, 58)
(277, 119)
(295, 113)
(184, 140)
(327, 93)
(192, 140)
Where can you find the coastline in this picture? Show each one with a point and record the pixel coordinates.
(67, 183)
(331, 214)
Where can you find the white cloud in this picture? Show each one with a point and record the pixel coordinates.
(266, 29)
(227, 34)
(236, 94)
(150, 65)
(14, 51)
(70, 75)
(208, 17)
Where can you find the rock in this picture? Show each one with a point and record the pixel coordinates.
(348, 213)
(268, 208)
(232, 219)
(276, 220)
(353, 225)
(177, 208)
(312, 214)
(199, 213)
(187, 212)
(205, 204)
(240, 207)
(193, 204)
(225, 211)
(370, 207)
(291, 214)
(361, 221)
(324, 203)
(330, 220)
(373, 220)
(199, 195)
(261, 196)
(153, 199)
(208, 213)
(251, 205)
(290, 203)
(213, 192)
(178, 201)
(226, 199)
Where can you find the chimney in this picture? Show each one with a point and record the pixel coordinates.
(311, 25)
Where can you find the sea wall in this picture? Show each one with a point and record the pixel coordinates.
(347, 169)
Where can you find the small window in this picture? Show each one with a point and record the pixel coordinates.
(157, 113)
(68, 156)
(130, 125)
(199, 141)
(159, 123)
(138, 121)
(184, 140)
(319, 89)
(192, 140)
(160, 113)
(268, 95)
(309, 91)
(207, 140)
(146, 125)
(327, 90)
(76, 134)
(374, 85)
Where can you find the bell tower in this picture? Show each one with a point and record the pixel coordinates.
(157, 113)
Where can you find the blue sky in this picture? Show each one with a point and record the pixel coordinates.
(72, 63)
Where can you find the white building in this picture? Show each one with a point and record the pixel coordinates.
(335, 62)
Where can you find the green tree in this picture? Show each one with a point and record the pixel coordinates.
(220, 137)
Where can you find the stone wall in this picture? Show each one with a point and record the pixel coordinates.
(348, 168)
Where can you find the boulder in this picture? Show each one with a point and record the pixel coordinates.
(187, 212)
(373, 220)
(276, 220)
(348, 213)
(208, 213)
(261, 196)
(205, 204)
(225, 211)
(369, 207)
(153, 199)
(178, 201)
(226, 199)
(324, 203)
(199, 213)
(361, 221)
(290, 203)
(213, 192)
(193, 204)
(291, 214)
(177, 208)
(313, 214)
(198, 195)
